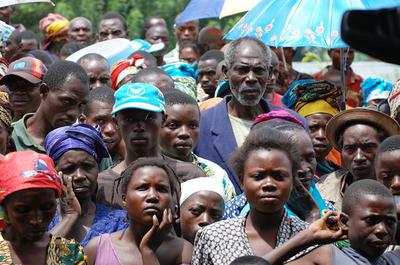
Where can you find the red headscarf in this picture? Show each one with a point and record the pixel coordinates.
(27, 170)
(126, 67)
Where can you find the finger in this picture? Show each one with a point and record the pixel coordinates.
(170, 219)
(164, 221)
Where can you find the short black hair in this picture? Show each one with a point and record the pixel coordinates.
(149, 71)
(391, 143)
(60, 71)
(264, 138)
(361, 189)
(42, 56)
(192, 46)
(175, 97)
(70, 48)
(151, 162)
(249, 260)
(147, 57)
(114, 15)
(382, 135)
(92, 57)
(102, 94)
(212, 55)
(29, 35)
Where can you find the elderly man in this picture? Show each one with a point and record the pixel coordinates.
(356, 133)
(225, 126)
(80, 29)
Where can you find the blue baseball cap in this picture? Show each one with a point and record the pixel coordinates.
(138, 96)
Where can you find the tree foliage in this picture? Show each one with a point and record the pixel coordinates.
(133, 10)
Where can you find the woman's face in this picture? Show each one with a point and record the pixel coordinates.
(30, 212)
(267, 180)
(83, 169)
(316, 125)
(200, 209)
(308, 163)
(148, 193)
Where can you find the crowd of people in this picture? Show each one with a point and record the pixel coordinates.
(209, 152)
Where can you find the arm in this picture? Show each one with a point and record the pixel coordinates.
(91, 250)
(323, 231)
(69, 206)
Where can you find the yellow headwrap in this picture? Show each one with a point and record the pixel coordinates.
(318, 106)
(57, 28)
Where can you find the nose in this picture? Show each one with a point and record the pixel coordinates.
(37, 218)
(78, 176)
(268, 184)
(184, 132)
(395, 185)
(359, 157)
(73, 113)
(205, 220)
(204, 79)
(152, 196)
(109, 129)
(186, 32)
(251, 77)
(138, 126)
(381, 230)
(320, 134)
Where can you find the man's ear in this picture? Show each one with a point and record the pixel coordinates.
(44, 90)
(82, 118)
(164, 119)
(343, 222)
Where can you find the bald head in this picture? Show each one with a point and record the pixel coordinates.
(211, 38)
(80, 29)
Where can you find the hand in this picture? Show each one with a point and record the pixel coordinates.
(149, 239)
(69, 203)
(326, 229)
(302, 203)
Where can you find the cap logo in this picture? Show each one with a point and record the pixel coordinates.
(136, 92)
(19, 65)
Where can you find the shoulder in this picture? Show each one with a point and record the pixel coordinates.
(336, 175)
(91, 249)
(222, 228)
(183, 248)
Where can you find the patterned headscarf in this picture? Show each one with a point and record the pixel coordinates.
(6, 113)
(394, 99)
(27, 170)
(54, 28)
(375, 88)
(310, 96)
(126, 67)
(77, 136)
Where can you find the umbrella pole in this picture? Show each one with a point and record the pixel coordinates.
(343, 79)
(284, 59)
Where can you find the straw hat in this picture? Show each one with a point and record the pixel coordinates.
(359, 115)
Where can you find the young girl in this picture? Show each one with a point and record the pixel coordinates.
(148, 191)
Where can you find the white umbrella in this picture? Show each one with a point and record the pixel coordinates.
(232, 7)
(4, 3)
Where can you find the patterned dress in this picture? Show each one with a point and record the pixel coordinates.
(222, 242)
(61, 251)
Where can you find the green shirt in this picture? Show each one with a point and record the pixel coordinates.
(23, 141)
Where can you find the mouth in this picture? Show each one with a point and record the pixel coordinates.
(320, 146)
(81, 189)
(152, 210)
(183, 146)
(139, 140)
(361, 168)
(380, 244)
(108, 140)
(250, 92)
(270, 197)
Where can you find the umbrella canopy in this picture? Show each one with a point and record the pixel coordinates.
(198, 9)
(297, 23)
(16, 2)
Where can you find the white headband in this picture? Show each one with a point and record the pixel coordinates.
(192, 186)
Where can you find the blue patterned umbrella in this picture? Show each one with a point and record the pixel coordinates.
(297, 23)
